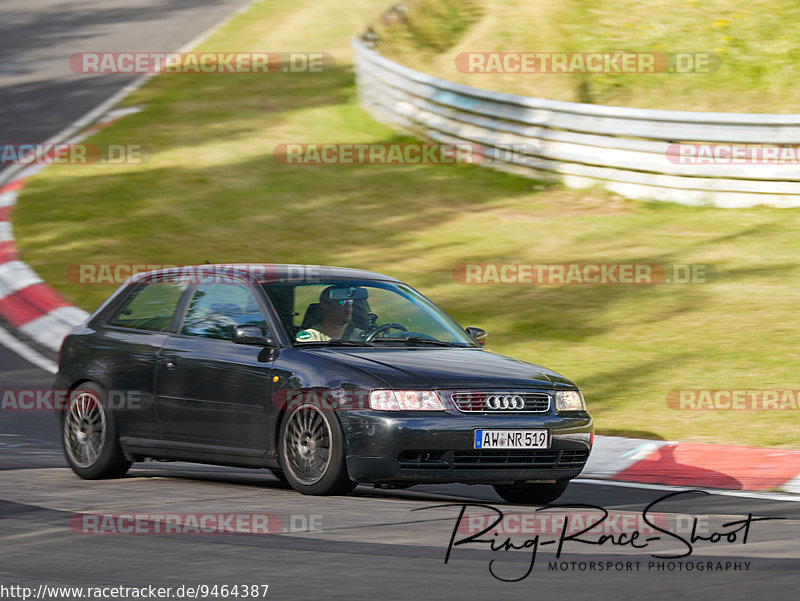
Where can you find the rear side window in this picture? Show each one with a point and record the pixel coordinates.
(151, 307)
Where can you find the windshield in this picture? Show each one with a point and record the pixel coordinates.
(363, 313)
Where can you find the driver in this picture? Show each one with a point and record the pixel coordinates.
(336, 315)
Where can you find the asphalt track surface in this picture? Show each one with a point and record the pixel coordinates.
(371, 544)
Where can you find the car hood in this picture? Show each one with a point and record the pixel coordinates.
(443, 368)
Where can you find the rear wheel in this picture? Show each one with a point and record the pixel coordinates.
(312, 452)
(531, 494)
(89, 436)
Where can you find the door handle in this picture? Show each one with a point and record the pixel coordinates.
(171, 361)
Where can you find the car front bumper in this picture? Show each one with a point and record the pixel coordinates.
(398, 447)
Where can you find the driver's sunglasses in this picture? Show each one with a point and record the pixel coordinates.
(344, 303)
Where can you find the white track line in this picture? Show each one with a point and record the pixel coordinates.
(749, 494)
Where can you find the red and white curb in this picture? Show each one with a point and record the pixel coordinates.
(693, 464)
(27, 304)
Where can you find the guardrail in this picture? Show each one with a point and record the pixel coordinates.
(625, 150)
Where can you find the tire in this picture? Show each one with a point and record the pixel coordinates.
(531, 494)
(312, 452)
(89, 435)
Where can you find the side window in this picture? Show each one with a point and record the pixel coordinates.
(216, 309)
(151, 307)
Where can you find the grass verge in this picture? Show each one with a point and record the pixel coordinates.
(751, 40)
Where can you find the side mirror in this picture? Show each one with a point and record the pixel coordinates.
(251, 335)
(478, 335)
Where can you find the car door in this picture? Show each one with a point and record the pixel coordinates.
(212, 392)
(131, 340)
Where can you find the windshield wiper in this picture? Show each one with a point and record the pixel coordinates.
(334, 342)
(420, 340)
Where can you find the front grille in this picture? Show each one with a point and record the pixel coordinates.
(503, 401)
(538, 459)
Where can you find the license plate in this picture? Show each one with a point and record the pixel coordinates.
(512, 439)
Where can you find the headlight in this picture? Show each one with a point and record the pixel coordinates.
(569, 400)
(405, 400)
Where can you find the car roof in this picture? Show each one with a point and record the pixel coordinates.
(264, 273)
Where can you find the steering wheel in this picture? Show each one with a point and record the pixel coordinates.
(384, 328)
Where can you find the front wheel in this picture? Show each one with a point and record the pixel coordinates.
(531, 494)
(89, 436)
(312, 452)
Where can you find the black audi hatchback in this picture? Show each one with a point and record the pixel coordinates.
(327, 376)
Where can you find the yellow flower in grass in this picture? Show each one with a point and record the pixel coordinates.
(720, 23)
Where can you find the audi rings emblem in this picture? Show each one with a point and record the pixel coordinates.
(495, 402)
